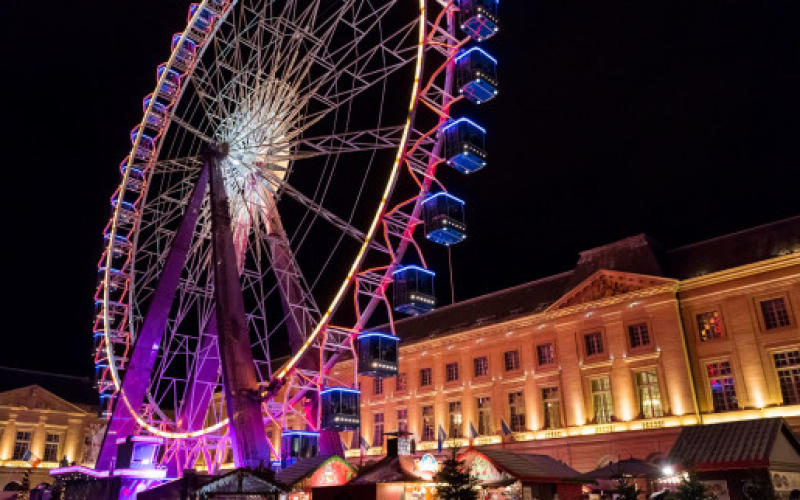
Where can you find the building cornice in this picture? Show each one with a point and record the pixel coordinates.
(745, 271)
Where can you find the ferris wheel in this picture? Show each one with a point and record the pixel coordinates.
(268, 219)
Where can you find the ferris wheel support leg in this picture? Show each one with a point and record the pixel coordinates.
(240, 386)
(145, 351)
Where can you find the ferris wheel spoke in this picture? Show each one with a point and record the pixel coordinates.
(192, 130)
(363, 70)
(276, 183)
(274, 153)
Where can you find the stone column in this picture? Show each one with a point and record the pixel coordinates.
(9, 436)
(37, 440)
(73, 440)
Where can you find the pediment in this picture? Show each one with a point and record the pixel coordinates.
(604, 284)
(34, 397)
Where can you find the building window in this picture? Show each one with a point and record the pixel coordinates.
(788, 366)
(709, 325)
(402, 420)
(377, 430)
(455, 419)
(484, 406)
(51, 447)
(552, 407)
(21, 444)
(594, 343)
(401, 382)
(638, 335)
(377, 386)
(428, 424)
(545, 354)
(425, 377)
(451, 371)
(516, 411)
(775, 313)
(723, 392)
(601, 400)
(481, 366)
(649, 395)
(511, 360)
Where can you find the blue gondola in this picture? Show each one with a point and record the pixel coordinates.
(443, 214)
(170, 86)
(340, 409)
(413, 290)
(185, 51)
(298, 444)
(476, 74)
(464, 145)
(377, 354)
(478, 18)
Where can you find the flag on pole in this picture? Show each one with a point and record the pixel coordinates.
(31, 458)
(473, 432)
(364, 444)
(506, 429)
(441, 437)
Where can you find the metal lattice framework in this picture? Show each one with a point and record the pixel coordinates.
(317, 103)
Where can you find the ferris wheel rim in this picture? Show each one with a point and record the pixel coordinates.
(353, 269)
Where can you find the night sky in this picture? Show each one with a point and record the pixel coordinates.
(679, 119)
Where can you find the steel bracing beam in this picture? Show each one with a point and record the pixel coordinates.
(240, 385)
(145, 351)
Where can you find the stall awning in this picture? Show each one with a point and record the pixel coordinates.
(745, 444)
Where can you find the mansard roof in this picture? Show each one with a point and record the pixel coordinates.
(615, 268)
(736, 249)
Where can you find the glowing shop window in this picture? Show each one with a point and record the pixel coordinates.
(709, 326)
(455, 420)
(649, 395)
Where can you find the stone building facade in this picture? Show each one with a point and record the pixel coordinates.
(53, 429)
(608, 360)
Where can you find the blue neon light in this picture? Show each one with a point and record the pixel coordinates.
(408, 268)
(340, 389)
(442, 193)
(299, 433)
(466, 52)
(465, 120)
(367, 335)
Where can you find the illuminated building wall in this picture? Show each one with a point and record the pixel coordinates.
(32, 418)
(610, 359)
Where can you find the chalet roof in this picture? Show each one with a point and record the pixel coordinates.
(528, 466)
(304, 468)
(638, 254)
(743, 444)
(244, 480)
(387, 470)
